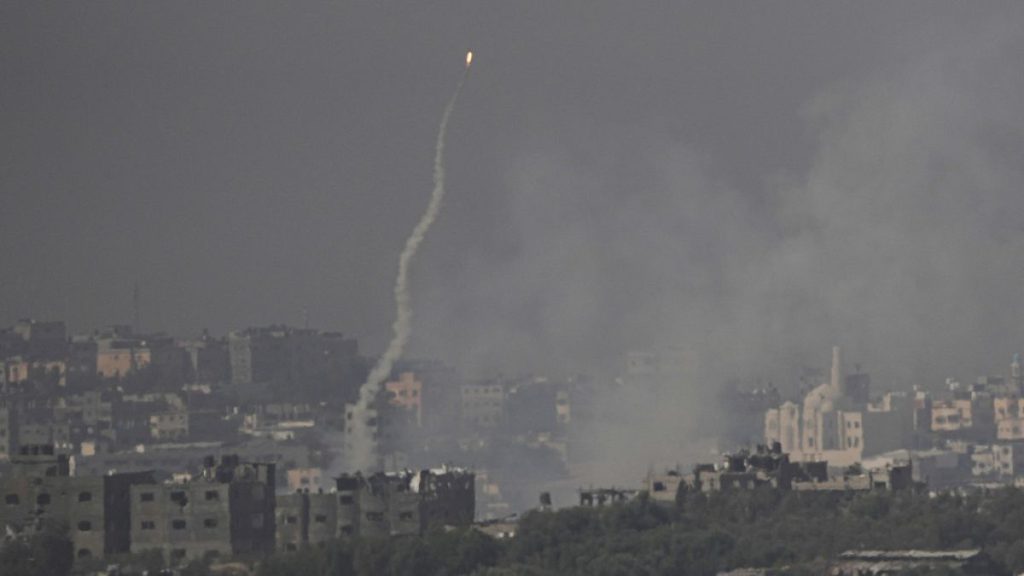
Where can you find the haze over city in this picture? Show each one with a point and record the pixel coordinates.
(752, 180)
(656, 231)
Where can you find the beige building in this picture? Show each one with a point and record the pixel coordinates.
(166, 426)
(118, 358)
(305, 479)
(1008, 407)
(951, 415)
(828, 426)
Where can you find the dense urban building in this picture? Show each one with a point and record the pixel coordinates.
(94, 509)
(227, 510)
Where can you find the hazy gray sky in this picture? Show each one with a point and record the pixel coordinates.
(749, 181)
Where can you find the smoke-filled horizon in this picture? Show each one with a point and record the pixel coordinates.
(746, 184)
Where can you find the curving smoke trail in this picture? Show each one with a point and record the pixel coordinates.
(361, 445)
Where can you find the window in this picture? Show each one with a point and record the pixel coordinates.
(84, 553)
(320, 518)
(84, 526)
(148, 525)
(84, 496)
(345, 499)
(405, 516)
(178, 497)
(178, 554)
(43, 499)
(346, 530)
(210, 522)
(12, 500)
(659, 486)
(146, 497)
(290, 519)
(291, 547)
(178, 524)
(375, 516)
(212, 495)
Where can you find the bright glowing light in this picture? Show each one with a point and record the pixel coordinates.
(469, 59)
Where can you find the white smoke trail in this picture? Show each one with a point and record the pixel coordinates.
(361, 444)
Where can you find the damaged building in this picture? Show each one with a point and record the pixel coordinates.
(382, 504)
(766, 466)
(94, 509)
(227, 510)
(771, 467)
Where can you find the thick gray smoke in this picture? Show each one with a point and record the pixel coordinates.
(362, 444)
(899, 239)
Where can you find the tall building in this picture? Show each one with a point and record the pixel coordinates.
(94, 509)
(294, 361)
(227, 510)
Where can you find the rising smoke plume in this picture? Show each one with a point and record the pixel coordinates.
(362, 444)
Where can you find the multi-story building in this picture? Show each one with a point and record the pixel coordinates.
(382, 504)
(1008, 407)
(407, 392)
(1010, 429)
(305, 479)
(483, 404)
(94, 509)
(208, 361)
(166, 426)
(406, 502)
(1008, 459)
(288, 356)
(983, 462)
(829, 425)
(117, 357)
(227, 510)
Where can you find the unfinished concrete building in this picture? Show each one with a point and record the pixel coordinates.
(407, 502)
(308, 519)
(766, 466)
(382, 504)
(226, 511)
(94, 509)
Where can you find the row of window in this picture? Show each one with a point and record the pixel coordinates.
(319, 519)
(43, 499)
(179, 496)
(379, 516)
(178, 524)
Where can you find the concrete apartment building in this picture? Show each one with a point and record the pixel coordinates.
(383, 504)
(286, 355)
(483, 404)
(94, 508)
(225, 511)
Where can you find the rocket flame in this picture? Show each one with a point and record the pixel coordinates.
(469, 59)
